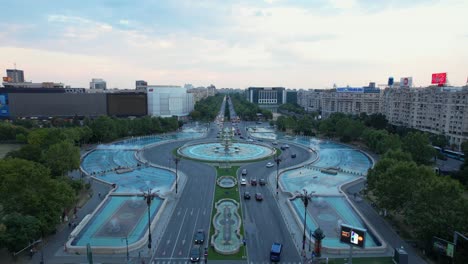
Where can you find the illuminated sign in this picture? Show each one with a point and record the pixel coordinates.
(443, 247)
(350, 90)
(353, 236)
(4, 106)
(439, 78)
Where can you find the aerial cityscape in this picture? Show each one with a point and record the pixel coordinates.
(253, 132)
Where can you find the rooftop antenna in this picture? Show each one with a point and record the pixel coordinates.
(15, 65)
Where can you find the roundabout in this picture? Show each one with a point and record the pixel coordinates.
(217, 152)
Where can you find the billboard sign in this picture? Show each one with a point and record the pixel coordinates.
(406, 81)
(390, 81)
(353, 236)
(4, 106)
(7, 79)
(350, 90)
(439, 78)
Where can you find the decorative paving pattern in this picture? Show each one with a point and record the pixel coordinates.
(226, 181)
(226, 239)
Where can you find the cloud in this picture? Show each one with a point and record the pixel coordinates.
(124, 22)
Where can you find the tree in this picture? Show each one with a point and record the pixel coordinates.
(418, 145)
(19, 231)
(62, 157)
(27, 152)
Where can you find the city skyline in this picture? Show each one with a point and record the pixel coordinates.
(294, 44)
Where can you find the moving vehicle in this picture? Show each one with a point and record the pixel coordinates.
(253, 182)
(274, 143)
(270, 164)
(293, 155)
(199, 236)
(450, 153)
(243, 181)
(246, 195)
(262, 182)
(275, 252)
(258, 197)
(244, 172)
(195, 253)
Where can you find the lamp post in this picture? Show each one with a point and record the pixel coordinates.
(305, 198)
(126, 242)
(278, 161)
(176, 160)
(149, 196)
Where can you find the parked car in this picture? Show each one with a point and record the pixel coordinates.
(246, 195)
(199, 236)
(243, 181)
(262, 182)
(258, 197)
(270, 164)
(253, 182)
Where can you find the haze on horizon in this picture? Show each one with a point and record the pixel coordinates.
(295, 44)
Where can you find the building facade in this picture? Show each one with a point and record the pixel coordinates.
(266, 95)
(438, 110)
(14, 75)
(350, 101)
(169, 100)
(98, 84)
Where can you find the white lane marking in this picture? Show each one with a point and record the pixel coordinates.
(180, 229)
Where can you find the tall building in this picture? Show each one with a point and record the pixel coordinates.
(350, 100)
(141, 85)
(438, 110)
(169, 100)
(98, 84)
(15, 76)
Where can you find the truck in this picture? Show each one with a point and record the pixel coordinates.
(275, 253)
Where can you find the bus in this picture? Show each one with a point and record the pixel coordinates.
(275, 253)
(451, 153)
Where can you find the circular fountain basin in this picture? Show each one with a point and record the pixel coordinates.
(227, 181)
(217, 152)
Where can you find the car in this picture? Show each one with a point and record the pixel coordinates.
(258, 197)
(270, 164)
(195, 253)
(253, 182)
(293, 155)
(246, 195)
(242, 137)
(250, 140)
(274, 143)
(284, 147)
(243, 181)
(199, 236)
(262, 182)
(244, 172)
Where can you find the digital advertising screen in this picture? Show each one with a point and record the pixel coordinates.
(353, 236)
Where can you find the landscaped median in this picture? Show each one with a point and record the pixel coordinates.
(229, 195)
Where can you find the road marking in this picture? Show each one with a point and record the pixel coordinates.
(168, 241)
(178, 213)
(180, 229)
(191, 212)
(183, 241)
(204, 211)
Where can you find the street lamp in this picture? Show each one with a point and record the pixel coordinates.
(126, 242)
(176, 160)
(277, 160)
(149, 196)
(305, 198)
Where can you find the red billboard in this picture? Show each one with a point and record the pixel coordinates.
(439, 78)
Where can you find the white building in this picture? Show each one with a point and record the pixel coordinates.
(169, 100)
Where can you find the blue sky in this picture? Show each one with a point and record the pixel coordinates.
(296, 44)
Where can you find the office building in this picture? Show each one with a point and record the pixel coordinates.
(141, 85)
(15, 76)
(169, 100)
(266, 95)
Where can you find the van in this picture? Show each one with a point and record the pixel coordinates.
(244, 172)
(275, 252)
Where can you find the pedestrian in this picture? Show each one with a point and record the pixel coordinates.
(69, 225)
(99, 194)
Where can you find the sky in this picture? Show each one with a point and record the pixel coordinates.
(241, 43)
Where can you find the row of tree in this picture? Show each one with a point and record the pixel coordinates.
(246, 110)
(207, 109)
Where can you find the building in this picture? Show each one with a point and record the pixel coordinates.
(211, 90)
(291, 96)
(266, 95)
(310, 99)
(98, 84)
(438, 110)
(350, 100)
(14, 75)
(141, 85)
(169, 100)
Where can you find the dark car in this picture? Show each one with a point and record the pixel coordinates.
(253, 182)
(293, 155)
(246, 195)
(258, 197)
(199, 236)
(195, 253)
(262, 182)
(244, 172)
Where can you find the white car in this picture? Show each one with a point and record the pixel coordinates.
(270, 164)
(274, 143)
(243, 181)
